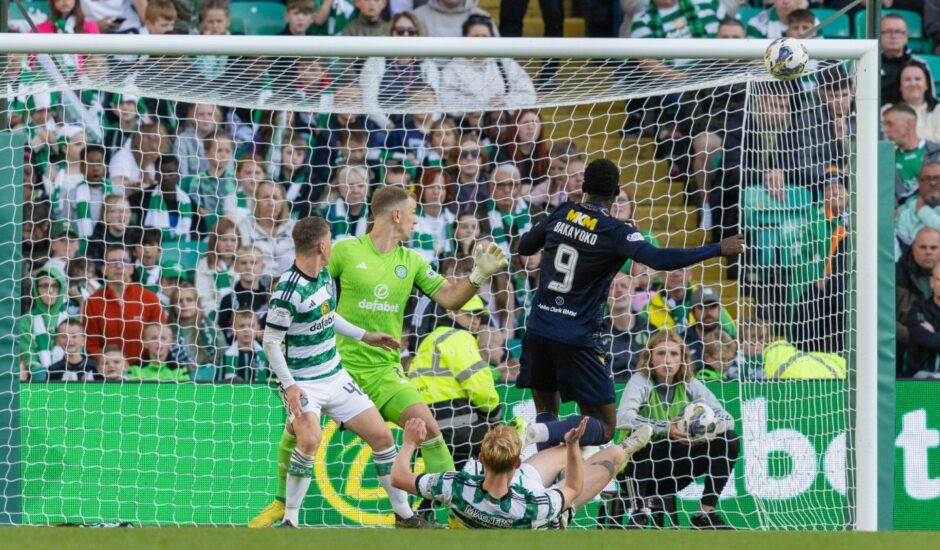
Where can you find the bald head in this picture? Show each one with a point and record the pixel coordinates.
(926, 248)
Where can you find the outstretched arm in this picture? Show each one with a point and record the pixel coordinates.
(574, 468)
(402, 476)
(667, 259)
(487, 262)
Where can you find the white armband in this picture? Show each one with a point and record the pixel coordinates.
(273, 338)
(347, 329)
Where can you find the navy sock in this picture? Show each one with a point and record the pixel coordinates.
(546, 418)
(593, 432)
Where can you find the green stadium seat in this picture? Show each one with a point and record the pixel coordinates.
(31, 7)
(514, 345)
(204, 373)
(185, 253)
(933, 62)
(840, 27)
(258, 18)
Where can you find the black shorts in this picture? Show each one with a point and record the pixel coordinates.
(578, 374)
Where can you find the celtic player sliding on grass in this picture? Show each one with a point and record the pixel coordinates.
(375, 275)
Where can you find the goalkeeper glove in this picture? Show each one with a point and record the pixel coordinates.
(486, 263)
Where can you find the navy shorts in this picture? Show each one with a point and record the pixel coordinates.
(578, 374)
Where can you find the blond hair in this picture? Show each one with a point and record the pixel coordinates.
(500, 450)
(660, 337)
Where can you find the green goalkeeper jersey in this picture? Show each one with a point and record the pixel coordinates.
(373, 291)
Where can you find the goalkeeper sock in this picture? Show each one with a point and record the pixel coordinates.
(284, 451)
(299, 475)
(437, 456)
(593, 432)
(383, 470)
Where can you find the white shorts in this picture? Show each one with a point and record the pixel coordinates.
(337, 396)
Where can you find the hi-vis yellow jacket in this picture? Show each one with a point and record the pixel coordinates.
(448, 366)
(782, 361)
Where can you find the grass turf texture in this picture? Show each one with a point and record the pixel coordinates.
(386, 539)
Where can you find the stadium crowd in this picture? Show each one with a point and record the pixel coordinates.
(149, 251)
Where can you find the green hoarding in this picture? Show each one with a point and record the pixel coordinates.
(204, 454)
(917, 456)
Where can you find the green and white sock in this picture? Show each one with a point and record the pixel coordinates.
(383, 461)
(299, 476)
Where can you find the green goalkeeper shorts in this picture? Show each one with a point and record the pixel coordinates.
(387, 387)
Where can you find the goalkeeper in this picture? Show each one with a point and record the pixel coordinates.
(375, 275)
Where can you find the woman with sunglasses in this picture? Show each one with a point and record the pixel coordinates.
(484, 84)
(389, 84)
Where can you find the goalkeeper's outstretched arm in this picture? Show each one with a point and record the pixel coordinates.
(487, 261)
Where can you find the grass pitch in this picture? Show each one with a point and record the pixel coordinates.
(55, 538)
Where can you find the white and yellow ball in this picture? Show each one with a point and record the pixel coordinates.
(786, 58)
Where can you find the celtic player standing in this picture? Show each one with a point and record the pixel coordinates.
(375, 275)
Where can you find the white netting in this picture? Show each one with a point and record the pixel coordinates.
(200, 167)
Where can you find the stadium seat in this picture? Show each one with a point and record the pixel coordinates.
(838, 28)
(185, 253)
(746, 12)
(933, 62)
(31, 8)
(915, 24)
(514, 345)
(258, 18)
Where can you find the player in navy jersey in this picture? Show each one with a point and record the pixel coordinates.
(583, 246)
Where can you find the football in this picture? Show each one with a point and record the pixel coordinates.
(698, 420)
(786, 58)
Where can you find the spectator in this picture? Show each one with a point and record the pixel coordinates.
(483, 84)
(622, 209)
(922, 209)
(125, 110)
(112, 367)
(397, 175)
(392, 83)
(523, 143)
(114, 228)
(201, 341)
(656, 396)
(671, 307)
(249, 171)
(444, 148)
(215, 21)
(675, 19)
(114, 16)
(83, 282)
(772, 22)
(118, 312)
(706, 329)
(269, 227)
(352, 147)
(68, 173)
(837, 114)
(434, 225)
(86, 198)
(303, 189)
(66, 17)
(248, 293)
(565, 170)
(799, 23)
(899, 124)
(731, 28)
(719, 357)
(348, 213)
(63, 245)
(213, 191)
(448, 17)
(456, 382)
(147, 269)
(37, 329)
(215, 275)
(469, 189)
(917, 90)
(913, 272)
(895, 54)
(331, 17)
(299, 16)
(203, 123)
(306, 79)
(245, 360)
(158, 365)
(133, 167)
(169, 208)
(467, 235)
(625, 333)
(506, 212)
(369, 21)
(36, 227)
(160, 18)
(923, 322)
(524, 281)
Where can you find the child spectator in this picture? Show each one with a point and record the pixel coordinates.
(205, 121)
(718, 357)
(523, 143)
(113, 366)
(215, 21)
(157, 365)
(37, 329)
(772, 22)
(331, 17)
(799, 23)
(369, 21)
(114, 16)
(249, 293)
(444, 145)
(126, 111)
(434, 227)
(269, 228)
(352, 146)
(87, 196)
(213, 190)
(551, 192)
(731, 28)
(68, 172)
(248, 172)
(159, 17)
(63, 245)
(169, 208)
(303, 190)
(83, 282)
(245, 360)
(196, 336)
(147, 271)
(299, 16)
(348, 214)
(445, 17)
(397, 175)
(133, 167)
(75, 365)
(215, 275)
(467, 235)
(114, 228)
(624, 333)
(67, 17)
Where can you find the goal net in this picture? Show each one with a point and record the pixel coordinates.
(143, 394)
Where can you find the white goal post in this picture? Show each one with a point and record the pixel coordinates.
(864, 53)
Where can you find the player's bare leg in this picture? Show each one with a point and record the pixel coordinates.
(371, 427)
(300, 471)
